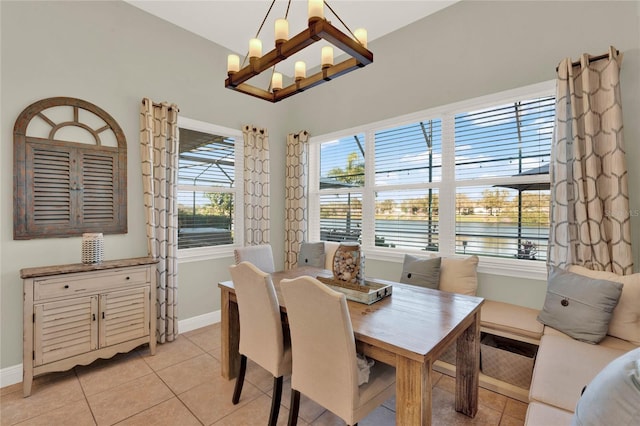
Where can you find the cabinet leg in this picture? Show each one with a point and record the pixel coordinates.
(27, 381)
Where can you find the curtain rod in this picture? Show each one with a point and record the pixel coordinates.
(592, 59)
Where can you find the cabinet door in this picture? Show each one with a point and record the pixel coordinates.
(65, 328)
(124, 315)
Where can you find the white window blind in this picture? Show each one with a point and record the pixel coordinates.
(502, 179)
(466, 178)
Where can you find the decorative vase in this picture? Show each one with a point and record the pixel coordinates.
(348, 264)
(92, 248)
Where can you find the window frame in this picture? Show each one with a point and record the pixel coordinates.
(217, 252)
(446, 187)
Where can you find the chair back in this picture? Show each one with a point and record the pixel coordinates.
(324, 350)
(261, 337)
(260, 255)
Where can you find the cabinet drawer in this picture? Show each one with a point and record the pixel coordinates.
(79, 284)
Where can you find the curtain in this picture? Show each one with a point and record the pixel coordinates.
(296, 196)
(589, 195)
(159, 155)
(256, 186)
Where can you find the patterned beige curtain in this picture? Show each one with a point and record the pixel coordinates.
(296, 193)
(159, 154)
(256, 186)
(589, 195)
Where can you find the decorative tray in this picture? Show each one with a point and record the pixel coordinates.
(368, 293)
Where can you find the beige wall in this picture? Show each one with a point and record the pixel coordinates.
(103, 52)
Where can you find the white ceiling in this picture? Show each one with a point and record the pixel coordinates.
(231, 23)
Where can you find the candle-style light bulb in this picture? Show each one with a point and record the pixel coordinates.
(255, 48)
(276, 81)
(300, 70)
(233, 64)
(316, 10)
(282, 30)
(327, 57)
(361, 36)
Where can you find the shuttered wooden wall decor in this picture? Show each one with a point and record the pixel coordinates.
(70, 171)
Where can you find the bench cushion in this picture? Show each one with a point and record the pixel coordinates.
(563, 367)
(608, 341)
(545, 415)
(459, 275)
(511, 319)
(330, 248)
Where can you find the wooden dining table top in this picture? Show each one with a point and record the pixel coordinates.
(414, 322)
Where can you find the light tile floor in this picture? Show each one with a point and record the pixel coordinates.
(181, 386)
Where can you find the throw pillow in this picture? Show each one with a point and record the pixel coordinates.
(459, 275)
(311, 254)
(420, 271)
(579, 306)
(625, 322)
(613, 396)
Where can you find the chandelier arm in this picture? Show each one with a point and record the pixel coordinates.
(286, 14)
(265, 18)
(341, 21)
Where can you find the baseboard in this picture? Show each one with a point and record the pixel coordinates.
(12, 375)
(203, 320)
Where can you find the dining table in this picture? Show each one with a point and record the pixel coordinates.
(408, 329)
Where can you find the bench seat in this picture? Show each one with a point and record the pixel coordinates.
(545, 415)
(512, 321)
(563, 367)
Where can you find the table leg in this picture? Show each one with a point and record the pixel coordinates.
(468, 368)
(230, 336)
(413, 392)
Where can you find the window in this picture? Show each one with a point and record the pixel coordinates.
(70, 171)
(341, 180)
(468, 178)
(208, 197)
(502, 173)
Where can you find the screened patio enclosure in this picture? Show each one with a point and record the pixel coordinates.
(205, 177)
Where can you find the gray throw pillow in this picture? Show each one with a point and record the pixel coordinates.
(613, 396)
(311, 254)
(579, 306)
(421, 272)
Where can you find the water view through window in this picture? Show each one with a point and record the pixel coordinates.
(499, 158)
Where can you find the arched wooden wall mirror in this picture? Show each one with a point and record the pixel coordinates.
(70, 171)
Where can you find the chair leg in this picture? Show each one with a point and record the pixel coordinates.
(239, 380)
(295, 407)
(275, 400)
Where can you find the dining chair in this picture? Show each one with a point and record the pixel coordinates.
(324, 354)
(261, 336)
(260, 255)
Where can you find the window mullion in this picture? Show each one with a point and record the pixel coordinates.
(368, 194)
(448, 190)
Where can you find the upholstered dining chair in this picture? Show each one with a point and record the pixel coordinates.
(260, 255)
(324, 354)
(261, 337)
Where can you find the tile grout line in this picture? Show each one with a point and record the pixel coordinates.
(84, 393)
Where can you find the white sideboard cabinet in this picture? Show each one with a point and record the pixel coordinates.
(75, 314)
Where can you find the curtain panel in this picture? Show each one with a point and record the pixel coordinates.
(159, 156)
(296, 195)
(256, 186)
(590, 213)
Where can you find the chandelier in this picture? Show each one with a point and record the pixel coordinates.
(319, 28)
